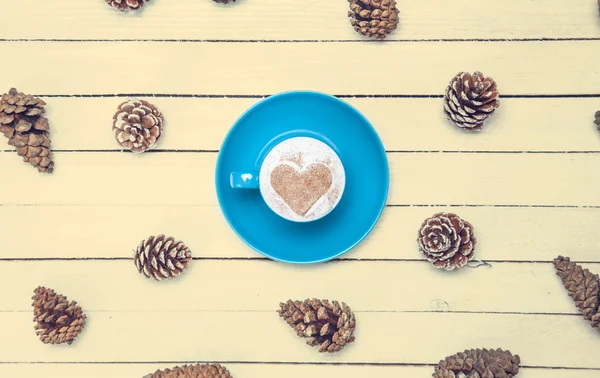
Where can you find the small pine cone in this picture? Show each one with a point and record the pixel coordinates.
(193, 371)
(57, 320)
(583, 287)
(161, 257)
(328, 325)
(137, 125)
(479, 363)
(597, 116)
(373, 18)
(470, 100)
(127, 5)
(447, 241)
(23, 122)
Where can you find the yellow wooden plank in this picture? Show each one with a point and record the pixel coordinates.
(413, 338)
(534, 124)
(513, 234)
(264, 68)
(258, 370)
(248, 286)
(111, 178)
(289, 19)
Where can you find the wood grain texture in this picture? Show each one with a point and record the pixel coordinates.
(262, 370)
(251, 68)
(233, 286)
(532, 124)
(528, 183)
(413, 338)
(82, 231)
(107, 178)
(290, 19)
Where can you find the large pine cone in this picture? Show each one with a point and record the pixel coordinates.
(479, 363)
(161, 257)
(137, 125)
(126, 5)
(57, 320)
(373, 18)
(447, 241)
(23, 122)
(470, 100)
(193, 371)
(583, 287)
(329, 325)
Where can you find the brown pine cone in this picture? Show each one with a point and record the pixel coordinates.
(137, 125)
(126, 5)
(373, 18)
(328, 325)
(479, 363)
(447, 241)
(57, 320)
(583, 287)
(193, 371)
(597, 116)
(470, 100)
(23, 122)
(161, 257)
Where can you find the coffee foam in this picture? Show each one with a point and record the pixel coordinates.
(300, 153)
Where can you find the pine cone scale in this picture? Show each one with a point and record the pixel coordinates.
(330, 326)
(160, 257)
(54, 324)
(470, 99)
(22, 121)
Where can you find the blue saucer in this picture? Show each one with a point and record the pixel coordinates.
(345, 130)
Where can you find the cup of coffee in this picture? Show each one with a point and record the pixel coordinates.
(301, 179)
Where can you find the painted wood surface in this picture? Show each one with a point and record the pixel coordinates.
(528, 183)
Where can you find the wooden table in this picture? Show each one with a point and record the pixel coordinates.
(529, 183)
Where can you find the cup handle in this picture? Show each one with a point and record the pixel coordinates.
(244, 180)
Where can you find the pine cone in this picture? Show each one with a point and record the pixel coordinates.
(597, 115)
(58, 320)
(373, 18)
(161, 257)
(470, 100)
(193, 371)
(479, 363)
(327, 325)
(583, 287)
(137, 125)
(447, 241)
(126, 5)
(23, 122)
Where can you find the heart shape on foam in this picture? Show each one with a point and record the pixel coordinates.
(301, 189)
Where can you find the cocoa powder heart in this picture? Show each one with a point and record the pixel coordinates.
(301, 189)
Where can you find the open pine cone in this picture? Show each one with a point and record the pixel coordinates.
(479, 363)
(127, 5)
(137, 125)
(328, 325)
(447, 241)
(583, 286)
(470, 100)
(373, 18)
(57, 320)
(23, 122)
(193, 371)
(161, 257)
